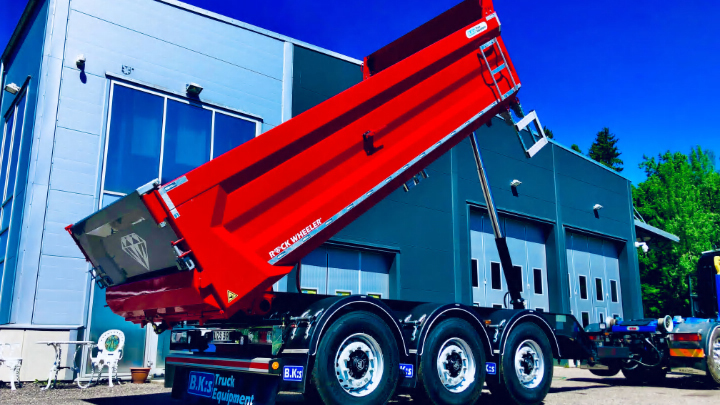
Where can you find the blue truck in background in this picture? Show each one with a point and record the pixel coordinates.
(645, 350)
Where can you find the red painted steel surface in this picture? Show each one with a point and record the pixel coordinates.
(244, 214)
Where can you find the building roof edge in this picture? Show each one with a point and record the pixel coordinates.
(29, 8)
(250, 27)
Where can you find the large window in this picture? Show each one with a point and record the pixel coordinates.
(11, 145)
(14, 158)
(152, 135)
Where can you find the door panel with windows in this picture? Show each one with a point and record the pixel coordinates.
(526, 242)
(594, 276)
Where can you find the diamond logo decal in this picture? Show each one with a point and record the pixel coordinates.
(136, 248)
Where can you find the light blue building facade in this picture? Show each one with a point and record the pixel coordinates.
(96, 104)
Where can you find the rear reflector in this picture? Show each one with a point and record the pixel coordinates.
(697, 353)
(685, 337)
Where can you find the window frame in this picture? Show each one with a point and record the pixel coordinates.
(542, 285)
(500, 277)
(614, 290)
(599, 295)
(213, 108)
(582, 318)
(475, 275)
(580, 285)
(522, 282)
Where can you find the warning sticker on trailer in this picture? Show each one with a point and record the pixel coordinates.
(231, 296)
(295, 238)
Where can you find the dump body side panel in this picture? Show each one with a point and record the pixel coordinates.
(248, 216)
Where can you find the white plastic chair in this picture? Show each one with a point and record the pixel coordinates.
(13, 363)
(109, 353)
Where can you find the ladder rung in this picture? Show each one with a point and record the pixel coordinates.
(499, 68)
(487, 44)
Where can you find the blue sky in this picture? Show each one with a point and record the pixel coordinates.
(648, 70)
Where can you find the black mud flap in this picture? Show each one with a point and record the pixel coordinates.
(202, 386)
(123, 242)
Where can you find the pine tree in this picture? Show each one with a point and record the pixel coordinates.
(548, 132)
(604, 150)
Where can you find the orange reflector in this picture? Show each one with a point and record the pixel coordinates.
(488, 322)
(275, 365)
(687, 352)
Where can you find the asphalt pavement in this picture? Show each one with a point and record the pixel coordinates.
(570, 386)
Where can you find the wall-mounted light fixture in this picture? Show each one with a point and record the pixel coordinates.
(597, 207)
(12, 88)
(642, 245)
(193, 89)
(515, 183)
(80, 61)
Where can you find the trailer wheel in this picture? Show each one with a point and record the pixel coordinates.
(357, 361)
(527, 366)
(645, 375)
(452, 367)
(713, 358)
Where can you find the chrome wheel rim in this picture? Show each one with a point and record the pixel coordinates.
(716, 353)
(456, 365)
(529, 364)
(359, 365)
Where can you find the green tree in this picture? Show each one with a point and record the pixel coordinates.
(576, 148)
(548, 132)
(682, 196)
(604, 150)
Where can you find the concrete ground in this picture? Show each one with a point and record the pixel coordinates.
(570, 386)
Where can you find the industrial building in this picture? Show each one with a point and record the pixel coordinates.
(102, 96)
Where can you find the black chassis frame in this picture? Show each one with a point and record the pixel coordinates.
(307, 316)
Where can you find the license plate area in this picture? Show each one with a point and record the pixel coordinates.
(222, 336)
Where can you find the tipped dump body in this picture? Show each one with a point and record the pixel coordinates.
(235, 225)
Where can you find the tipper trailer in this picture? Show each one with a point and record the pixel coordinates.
(200, 255)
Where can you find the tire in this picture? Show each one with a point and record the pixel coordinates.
(713, 358)
(453, 343)
(606, 373)
(357, 362)
(642, 375)
(526, 343)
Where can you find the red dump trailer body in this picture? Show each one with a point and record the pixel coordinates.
(240, 222)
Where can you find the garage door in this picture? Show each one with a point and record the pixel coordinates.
(338, 271)
(594, 275)
(526, 242)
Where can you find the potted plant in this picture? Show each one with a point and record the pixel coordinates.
(140, 374)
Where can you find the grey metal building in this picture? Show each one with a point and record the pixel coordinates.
(98, 106)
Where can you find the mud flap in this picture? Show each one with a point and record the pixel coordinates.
(202, 386)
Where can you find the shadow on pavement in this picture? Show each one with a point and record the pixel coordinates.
(155, 399)
(683, 383)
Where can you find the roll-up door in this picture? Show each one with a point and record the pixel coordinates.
(526, 242)
(594, 274)
(335, 270)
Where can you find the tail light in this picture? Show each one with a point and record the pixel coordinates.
(685, 337)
